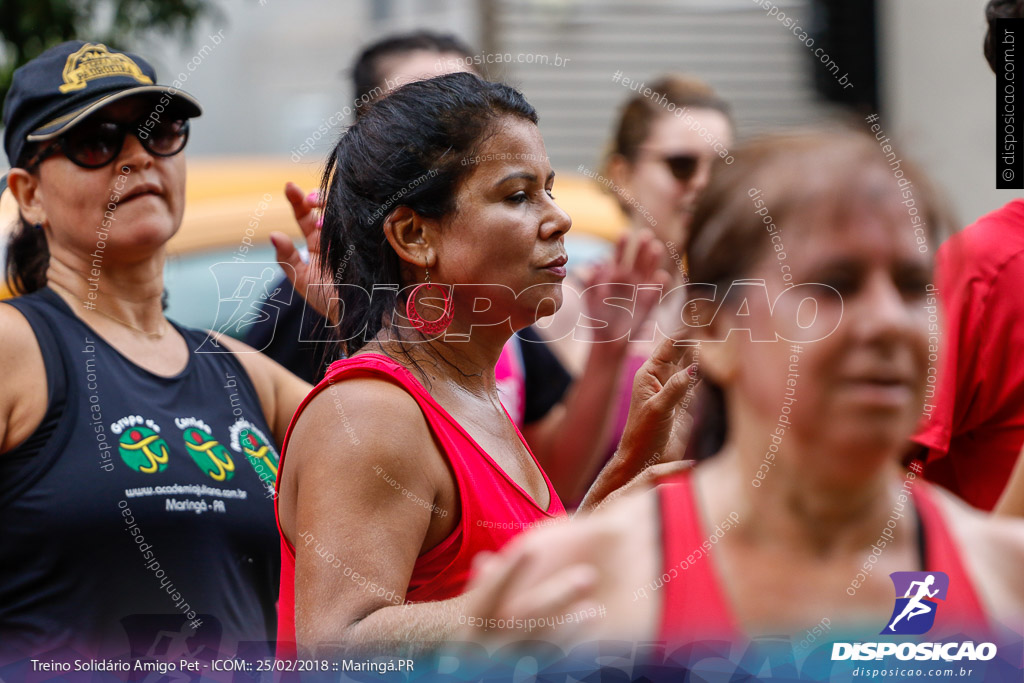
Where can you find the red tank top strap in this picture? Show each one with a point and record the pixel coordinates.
(962, 607)
(694, 605)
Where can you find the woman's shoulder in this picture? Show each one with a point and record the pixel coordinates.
(966, 520)
(374, 422)
(15, 331)
(23, 403)
(19, 347)
(377, 400)
(977, 529)
(992, 549)
(368, 360)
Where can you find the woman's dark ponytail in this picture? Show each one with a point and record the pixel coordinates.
(28, 254)
(28, 257)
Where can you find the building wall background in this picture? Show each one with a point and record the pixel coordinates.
(281, 70)
(938, 98)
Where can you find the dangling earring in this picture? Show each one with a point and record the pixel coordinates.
(429, 327)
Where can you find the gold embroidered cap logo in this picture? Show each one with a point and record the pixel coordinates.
(94, 61)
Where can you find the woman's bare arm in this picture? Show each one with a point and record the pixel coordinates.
(571, 439)
(364, 492)
(992, 548)
(23, 400)
(1011, 502)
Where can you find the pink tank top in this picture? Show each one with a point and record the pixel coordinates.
(511, 378)
(494, 509)
(695, 606)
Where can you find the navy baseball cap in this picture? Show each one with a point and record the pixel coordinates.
(61, 87)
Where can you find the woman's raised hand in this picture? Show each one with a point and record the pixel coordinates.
(522, 595)
(658, 425)
(659, 408)
(635, 265)
(306, 276)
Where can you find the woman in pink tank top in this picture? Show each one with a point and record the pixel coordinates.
(659, 161)
(441, 237)
(814, 344)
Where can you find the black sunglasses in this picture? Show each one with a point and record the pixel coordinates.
(682, 166)
(93, 144)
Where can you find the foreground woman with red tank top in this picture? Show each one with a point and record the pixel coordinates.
(806, 510)
(442, 237)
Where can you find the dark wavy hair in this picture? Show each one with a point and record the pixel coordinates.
(999, 9)
(366, 74)
(406, 150)
(28, 254)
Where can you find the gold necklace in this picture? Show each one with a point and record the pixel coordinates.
(155, 335)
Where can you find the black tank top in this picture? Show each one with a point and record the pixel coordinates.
(138, 519)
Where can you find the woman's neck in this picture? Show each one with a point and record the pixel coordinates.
(467, 365)
(130, 294)
(799, 504)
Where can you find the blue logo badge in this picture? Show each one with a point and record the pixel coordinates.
(914, 613)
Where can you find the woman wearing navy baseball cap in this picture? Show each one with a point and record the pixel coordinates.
(136, 475)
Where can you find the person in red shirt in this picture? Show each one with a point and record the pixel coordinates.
(973, 427)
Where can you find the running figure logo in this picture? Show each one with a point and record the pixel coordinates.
(914, 613)
(253, 299)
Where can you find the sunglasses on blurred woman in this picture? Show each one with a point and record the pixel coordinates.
(682, 166)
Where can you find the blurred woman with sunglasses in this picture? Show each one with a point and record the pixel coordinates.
(136, 475)
(658, 165)
(662, 153)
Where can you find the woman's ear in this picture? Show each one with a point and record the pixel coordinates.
(718, 349)
(413, 237)
(718, 360)
(620, 171)
(25, 189)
